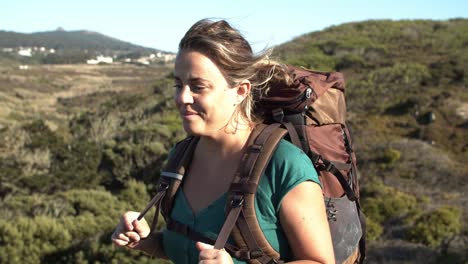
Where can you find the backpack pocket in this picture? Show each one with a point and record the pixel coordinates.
(327, 145)
(345, 227)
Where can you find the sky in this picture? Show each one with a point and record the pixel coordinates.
(160, 24)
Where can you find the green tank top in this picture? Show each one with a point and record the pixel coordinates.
(288, 167)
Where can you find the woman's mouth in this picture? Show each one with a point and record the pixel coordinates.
(188, 114)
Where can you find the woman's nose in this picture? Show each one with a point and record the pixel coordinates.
(184, 95)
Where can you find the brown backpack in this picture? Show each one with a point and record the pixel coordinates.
(311, 114)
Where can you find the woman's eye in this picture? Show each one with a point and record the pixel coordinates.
(198, 88)
(177, 86)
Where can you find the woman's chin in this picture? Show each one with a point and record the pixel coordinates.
(191, 130)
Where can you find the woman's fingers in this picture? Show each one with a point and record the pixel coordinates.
(202, 246)
(141, 227)
(120, 239)
(133, 236)
(207, 251)
(130, 231)
(210, 255)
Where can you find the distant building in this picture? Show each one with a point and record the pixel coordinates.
(143, 60)
(25, 52)
(101, 59)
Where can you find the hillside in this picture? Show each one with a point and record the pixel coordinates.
(59, 47)
(408, 104)
(60, 39)
(79, 144)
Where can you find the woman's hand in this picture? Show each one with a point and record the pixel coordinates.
(129, 232)
(210, 255)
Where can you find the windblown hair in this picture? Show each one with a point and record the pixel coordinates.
(231, 52)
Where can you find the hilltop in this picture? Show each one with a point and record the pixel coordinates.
(62, 46)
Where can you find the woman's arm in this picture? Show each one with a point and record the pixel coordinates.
(305, 224)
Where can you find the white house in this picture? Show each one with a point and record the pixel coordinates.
(25, 52)
(100, 59)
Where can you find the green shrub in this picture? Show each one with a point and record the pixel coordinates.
(95, 202)
(135, 195)
(373, 230)
(350, 61)
(26, 240)
(435, 227)
(382, 203)
(79, 234)
(41, 136)
(76, 165)
(391, 156)
(387, 84)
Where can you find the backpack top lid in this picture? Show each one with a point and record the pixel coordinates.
(315, 91)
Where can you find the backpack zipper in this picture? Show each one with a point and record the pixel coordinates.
(300, 98)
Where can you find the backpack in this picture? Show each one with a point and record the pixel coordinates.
(311, 114)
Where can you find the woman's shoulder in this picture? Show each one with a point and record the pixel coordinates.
(289, 166)
(286, 152)
(291, 163)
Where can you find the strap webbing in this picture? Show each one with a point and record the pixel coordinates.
(331, 167)
(156, 214)
(255, 149)
(156, 200)
(228, 225)
(293, 135)
(186, 231)
(341, 166)
(344, 183)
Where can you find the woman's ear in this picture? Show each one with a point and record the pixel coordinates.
(243, 90)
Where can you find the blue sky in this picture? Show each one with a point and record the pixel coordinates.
(160, 24)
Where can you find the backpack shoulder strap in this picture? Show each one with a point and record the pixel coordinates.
(174, 171)
(170, 179)
(241, 220)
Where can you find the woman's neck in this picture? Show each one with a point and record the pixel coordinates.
(225, 144)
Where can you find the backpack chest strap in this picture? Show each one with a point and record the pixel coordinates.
(234, 251)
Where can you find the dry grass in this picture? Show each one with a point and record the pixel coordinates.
(34, 93)
(12, 146)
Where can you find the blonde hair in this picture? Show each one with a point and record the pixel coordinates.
(232, 53)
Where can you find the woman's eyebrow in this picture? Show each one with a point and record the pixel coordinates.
(193, 79)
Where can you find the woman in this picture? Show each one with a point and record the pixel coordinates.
(216, 78)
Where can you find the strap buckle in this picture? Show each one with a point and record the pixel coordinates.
(237, 201)
(163, 186)
(327, 165)
(278, 115)
(255, 148)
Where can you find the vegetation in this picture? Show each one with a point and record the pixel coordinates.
(79, 145)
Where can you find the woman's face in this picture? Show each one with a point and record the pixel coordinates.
(205, 101)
